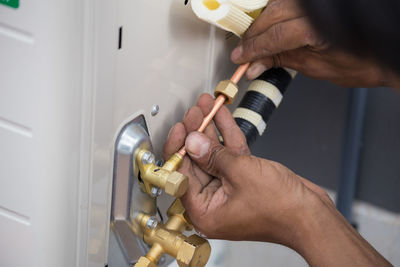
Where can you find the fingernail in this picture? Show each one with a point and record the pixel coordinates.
(255, 71)
(197, 145)
(237, 53)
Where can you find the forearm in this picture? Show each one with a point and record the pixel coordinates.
(327, 239)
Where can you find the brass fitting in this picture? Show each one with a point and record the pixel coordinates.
(228, 88)
(145, 262)
(165, 177)
(192, 251)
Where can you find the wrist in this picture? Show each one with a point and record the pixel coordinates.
(307, 223)
(325, 238)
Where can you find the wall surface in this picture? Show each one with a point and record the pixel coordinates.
(40, 109)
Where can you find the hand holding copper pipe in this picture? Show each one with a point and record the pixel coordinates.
(219, 101)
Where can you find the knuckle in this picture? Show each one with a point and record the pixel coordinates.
(261, 48)
(274, 7)
(213, 158)
(256, 48)
(243, 149)
(276, 36)
(249, 48)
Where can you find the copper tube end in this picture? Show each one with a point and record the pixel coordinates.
(182, 151)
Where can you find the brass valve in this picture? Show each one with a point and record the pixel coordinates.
(192, 251)
(165, 177)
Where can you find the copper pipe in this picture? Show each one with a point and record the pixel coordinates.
(241, 70)
(219, 102)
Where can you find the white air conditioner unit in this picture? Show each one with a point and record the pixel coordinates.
(72, 75)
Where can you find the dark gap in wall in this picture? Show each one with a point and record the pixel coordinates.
(120, 38)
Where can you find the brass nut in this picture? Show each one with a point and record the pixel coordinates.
(228, 89)
(145, 262)
(194, 252)
(176, 208)
(176, 184)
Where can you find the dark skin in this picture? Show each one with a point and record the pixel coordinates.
(235, 196)
(283, 37)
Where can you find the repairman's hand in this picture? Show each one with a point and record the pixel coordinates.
(283, 37)
(233, 195)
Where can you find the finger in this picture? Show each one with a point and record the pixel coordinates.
(234, 138)
(275, 12)
(175, 140)
(197, 202)
(258, 67)
(294, 59)
(193, 119)
(196, 184)
(210, 156)
(206, 103)
(278, 38)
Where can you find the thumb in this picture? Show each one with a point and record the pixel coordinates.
(210, 155)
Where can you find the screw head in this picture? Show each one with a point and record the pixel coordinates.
(155, 110)
(151, 223)
(155, 191)
(148, 158)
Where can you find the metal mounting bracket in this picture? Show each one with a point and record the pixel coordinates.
(128, 198)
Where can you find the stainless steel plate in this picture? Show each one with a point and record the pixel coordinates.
(127, 196)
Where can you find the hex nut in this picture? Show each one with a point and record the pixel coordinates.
(151, 223)
(176, 184)
(145, 262)
(176, 208)
(155, 192)
(148, 158)
(195, 251)
(228, 89)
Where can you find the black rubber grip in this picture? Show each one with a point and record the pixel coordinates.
(260, 103)
(249, 130)
(278, 77)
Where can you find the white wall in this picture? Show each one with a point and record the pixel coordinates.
(65, 90)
